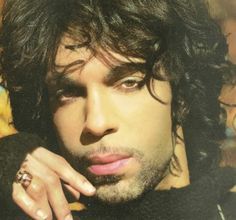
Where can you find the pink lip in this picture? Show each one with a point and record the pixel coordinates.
(107, 164)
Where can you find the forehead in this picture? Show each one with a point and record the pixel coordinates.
(70, 51)
(229, 26)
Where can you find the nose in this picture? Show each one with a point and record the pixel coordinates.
(100, 118)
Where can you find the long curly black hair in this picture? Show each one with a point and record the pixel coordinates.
(177, 36)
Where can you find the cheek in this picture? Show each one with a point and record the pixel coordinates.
(149, 122)
(153, 119)
(158, 129)
(68, 121)
(154, 115)
(158, 123)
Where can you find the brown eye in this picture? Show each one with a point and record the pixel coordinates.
(63, 96)
(130, 84)
(71, 94)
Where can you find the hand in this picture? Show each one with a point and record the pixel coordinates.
(44, 195)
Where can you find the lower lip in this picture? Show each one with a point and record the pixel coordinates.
(108, 168)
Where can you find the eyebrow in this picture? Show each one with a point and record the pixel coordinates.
(61, 80)
(76, 46)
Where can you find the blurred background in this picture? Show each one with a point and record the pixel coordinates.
(6, 126)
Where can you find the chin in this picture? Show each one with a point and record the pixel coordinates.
(122, 189)
(120, 192)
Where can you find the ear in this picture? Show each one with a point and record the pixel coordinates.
(178, 174)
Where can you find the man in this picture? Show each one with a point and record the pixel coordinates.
(224, 14)
(123, 83)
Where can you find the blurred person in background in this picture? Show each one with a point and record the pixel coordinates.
(224, 13)
(6, 125)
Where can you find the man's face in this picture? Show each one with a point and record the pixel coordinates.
(109, 125)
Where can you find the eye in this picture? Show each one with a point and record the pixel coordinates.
(131, 84)
(65, 96)
(228, 34)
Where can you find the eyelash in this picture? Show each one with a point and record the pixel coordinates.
(66, 96)
(138, 84)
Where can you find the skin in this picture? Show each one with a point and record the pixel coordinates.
(229, 30)
(228, 103)
(1, 5)
(6, 127)
(108, 120)
(228, 96)
(101, 117)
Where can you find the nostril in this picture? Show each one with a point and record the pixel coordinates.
(98, 131)
(109, 131)
(89, 136)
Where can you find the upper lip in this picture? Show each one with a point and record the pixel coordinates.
(106, 158)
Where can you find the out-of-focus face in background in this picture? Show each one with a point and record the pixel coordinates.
(224, 13)
(229, 30)
(6, 127)
(228, 92)
(228, 103)
(1, 4)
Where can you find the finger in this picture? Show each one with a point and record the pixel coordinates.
(27, 204)
(37, 191)
(74, 192)
(64, 170)
(52, 183)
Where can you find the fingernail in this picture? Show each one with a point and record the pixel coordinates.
(90, 188)
(69, 217)
(41, 214)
